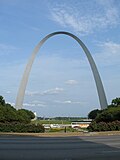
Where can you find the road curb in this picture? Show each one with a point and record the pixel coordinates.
(108, 133)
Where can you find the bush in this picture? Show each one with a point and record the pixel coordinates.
(19, 127)
(108, 119)
(103, 126)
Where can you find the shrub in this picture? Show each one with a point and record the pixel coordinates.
(103, 126)
(19, 127)
(92, 126)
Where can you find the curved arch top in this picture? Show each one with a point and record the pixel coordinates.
(99, 85)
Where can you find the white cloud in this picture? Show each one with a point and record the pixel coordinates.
(8, 92)
(106, 16)
(109, 53)
(68, 102)
(71, 82)
(34, 105)
(113, 48)
(53, 91)
(31, 104)
(28, 104)
(32, 93)
(72, 102)
(46, 92)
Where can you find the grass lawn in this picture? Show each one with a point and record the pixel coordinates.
(51, 122)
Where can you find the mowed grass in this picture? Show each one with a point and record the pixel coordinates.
(51, 122)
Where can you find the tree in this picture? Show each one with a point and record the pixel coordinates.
(29, 113)
(2, 115)
(2, 101)
(93, 114)
(104, 117)
(9, 114)
(116, 102)
(109, 115)
(25, 116)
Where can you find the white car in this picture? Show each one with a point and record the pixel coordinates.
(55, 126)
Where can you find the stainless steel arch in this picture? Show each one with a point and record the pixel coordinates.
(99, 85)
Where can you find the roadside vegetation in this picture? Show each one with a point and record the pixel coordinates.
(106, 120)
(12, 120)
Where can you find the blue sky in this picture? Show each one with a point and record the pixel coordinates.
(61, 82)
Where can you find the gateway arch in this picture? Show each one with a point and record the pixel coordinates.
(23, 84)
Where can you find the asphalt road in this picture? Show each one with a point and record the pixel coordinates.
(66, 148)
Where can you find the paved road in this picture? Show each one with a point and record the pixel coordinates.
(67, 148)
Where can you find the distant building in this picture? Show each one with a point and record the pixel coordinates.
(81, 124)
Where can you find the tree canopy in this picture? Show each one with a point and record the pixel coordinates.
(116, 102)
(93, 114)
(2, 101)
(9, 114)
(109, 115)
(108, 119)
